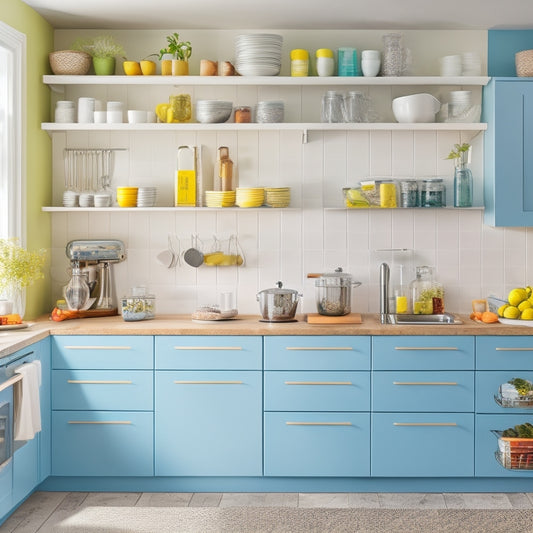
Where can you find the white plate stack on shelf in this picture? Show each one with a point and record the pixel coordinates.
(146, 196)
(258, 54)
(70, 198)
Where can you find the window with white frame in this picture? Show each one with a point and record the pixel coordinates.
(12, 68)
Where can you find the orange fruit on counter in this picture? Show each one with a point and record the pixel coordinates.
(489, 317)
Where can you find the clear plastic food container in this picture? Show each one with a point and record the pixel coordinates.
(137, 307)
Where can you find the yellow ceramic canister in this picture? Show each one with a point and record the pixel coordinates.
(387, 194)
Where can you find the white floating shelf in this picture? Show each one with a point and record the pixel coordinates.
(263, 80)
(303, 126)
(161, 209)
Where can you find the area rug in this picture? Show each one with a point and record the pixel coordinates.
(293, 520)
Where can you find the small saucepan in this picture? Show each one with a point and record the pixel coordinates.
(334, 292)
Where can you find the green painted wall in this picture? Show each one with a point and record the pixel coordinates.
(39, 42)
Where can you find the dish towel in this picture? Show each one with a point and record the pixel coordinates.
(26, 404)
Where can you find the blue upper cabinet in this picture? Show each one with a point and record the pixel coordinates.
(508, 152)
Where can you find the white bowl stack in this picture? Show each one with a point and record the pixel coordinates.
(146, 196)
(213, 111)
(258, 54)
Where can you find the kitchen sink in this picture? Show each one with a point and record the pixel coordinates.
(433, 320)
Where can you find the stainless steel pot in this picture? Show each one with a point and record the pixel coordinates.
(334, 292)
(278, 304)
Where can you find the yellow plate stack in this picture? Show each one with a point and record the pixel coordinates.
(278, 196)
(127, 196)
(220, 198)
(250, 196)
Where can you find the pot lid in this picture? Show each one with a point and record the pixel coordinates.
(278, 290)
(337, 278)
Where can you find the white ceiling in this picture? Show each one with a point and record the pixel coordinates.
(287, 14)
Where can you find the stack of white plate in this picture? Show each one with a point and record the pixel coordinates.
(258, 54)
(146, 196)
(471, 64)
(86, 199)
(277, 196)
(220, 198)
(269, 111)
(102, 200)
(460, 102)
(213, 111)
(70, 199)
(250, 196)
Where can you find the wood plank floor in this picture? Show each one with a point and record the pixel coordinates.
(42, 510)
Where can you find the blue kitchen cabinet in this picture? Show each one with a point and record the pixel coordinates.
(317, 406)
(508, 165)
(208, 406)
(102, 402)
(499, 359)
(422, 406)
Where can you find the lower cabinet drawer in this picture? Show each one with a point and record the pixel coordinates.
(423, 391)
(6, 487)
(102, 443)
(117, 390)
(422, 444)
(317, 391)
(317, 444)
(487, 444)
(487, 386)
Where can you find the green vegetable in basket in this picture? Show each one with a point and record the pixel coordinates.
(523, 431)
(522, 386)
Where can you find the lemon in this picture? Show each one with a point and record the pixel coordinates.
(516, 296)
(529, 290)
(526, 304)
(131, 68)
(511, 312)
(502, 308)
(527, 314)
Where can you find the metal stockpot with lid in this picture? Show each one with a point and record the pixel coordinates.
(278, 304)
(334, 292)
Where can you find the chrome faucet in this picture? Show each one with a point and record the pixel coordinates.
(384, 279)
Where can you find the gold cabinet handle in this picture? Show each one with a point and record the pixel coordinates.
(318, 383)
(514, 349)
(338, 348)
(209, 382)
(433, 348)
(424, 383)
(98, 382)
(207, 347)
(108, 422)
(98, 347)
(318, 423)
(424, 424)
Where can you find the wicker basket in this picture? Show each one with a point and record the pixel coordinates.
(524, 63)
(70, 62)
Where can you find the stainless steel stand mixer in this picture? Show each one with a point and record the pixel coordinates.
(91, 283)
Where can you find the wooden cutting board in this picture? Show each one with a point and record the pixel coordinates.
(352, 318)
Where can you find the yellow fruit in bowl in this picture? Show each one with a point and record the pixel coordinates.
(526, 304)
(517, 295)
(131, 68)
(502, 308)
(511, 312)
(527, 314)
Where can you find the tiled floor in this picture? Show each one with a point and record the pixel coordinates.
(44, 509)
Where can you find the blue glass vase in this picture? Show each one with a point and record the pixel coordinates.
(463, 186)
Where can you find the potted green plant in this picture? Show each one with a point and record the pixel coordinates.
(176, 56)
(19, 268)
(104, 50)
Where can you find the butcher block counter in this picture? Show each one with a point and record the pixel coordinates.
(10, 341)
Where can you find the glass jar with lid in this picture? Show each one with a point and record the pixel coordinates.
(432, 193)
(427, 294)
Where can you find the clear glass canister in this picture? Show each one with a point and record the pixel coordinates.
(433, 193)
(299, 62)
(138, 305)
(181, 107)
(409, 193)
(427, 294)
(393, 55)
(333, 107)
(325, 62)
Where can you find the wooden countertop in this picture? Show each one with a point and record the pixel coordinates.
(11, 341)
